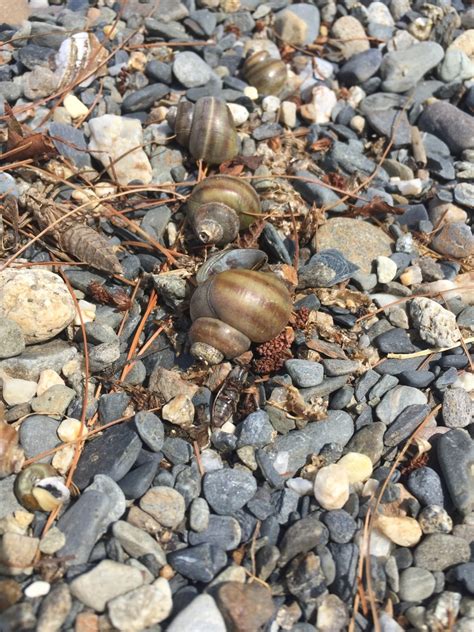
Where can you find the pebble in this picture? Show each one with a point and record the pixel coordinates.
(12, 339)
(141, 608)
(416, 584)
(352, 35)
(165, 504)
(179, 411)
(240, 114)
(386, 269)
(17, 554)
(341, 526)
(104, 582)
(256, 430)
(199, 563)
(305, 373)
(358, 467)
(16, 391)
(360, 67)
(37, 589)
(435, 324)
(425, 484)
(151, 430)
(464, 194)
(439, 551)
(450, 124)
(38, 301)
(396, 400)
(191, 70)
(52, 541)
(245, 606)
(331, 486)
(221, 531)
(54, 401)
(455, 453)
(298, 25)
(435, 519)
(199, 515)
(136, 542)
(401, 70)
(228, 490)
(119, 140)
(142, 99)
(201, 615)
(38, 433)
(455, 240)
(457, 408)
(402, 530)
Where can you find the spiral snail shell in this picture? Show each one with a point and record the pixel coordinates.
(11, 455)
(266, 74)
(207, 129)
(220, 206)
(39, 488)
(234, 308)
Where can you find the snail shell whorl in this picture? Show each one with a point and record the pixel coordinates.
(255, 303)
(264, 73)
(225, 338)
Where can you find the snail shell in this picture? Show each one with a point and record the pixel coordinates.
(77, 56)
(247, 258)
(236, 307)
(266, 74)
(39, 488)
(220, 206)
(207, 129)
(11, 455)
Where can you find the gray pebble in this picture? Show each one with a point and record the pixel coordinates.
(199, 563)
(38, 433)
(425, 484)
(255, 430)
(456, 455)
(151, 430)
(440, 551)
(199, 515)
(305, 373)
(457, 408)
(228, 490)
(416, 584)
(12, 340)
(221, 531)
(396, 400)
(191, 70)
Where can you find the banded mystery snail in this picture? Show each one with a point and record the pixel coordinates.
(266, 74)
(206, 128)
(220, 206)
(234, 308)
(39, 488)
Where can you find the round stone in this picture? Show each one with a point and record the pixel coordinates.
(331, 487)
(360, 242)
(228, 490)
(402, 530)
(38, 301)
(165, 504)
(191, 70)
(358, 466)
(435, 519)
(416, 584)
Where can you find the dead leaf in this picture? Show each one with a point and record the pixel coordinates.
(22, 144)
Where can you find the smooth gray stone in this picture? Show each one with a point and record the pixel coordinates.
(71, 144)
(406, 423)
(456, 455)
(201, 615)
(301, 537)
(145, 98)
(401, 70)
(255, 430)
(425, 484)
(38, 433)
(360, 67)
(305, 373)
(199, 563)
(151, 430)
(450, 124)
(36, 358)
(222, 531)
(228, 490)
(99, 506)
(314, 192)
(393, 124)
(396, 400)
(346, 557)
(191, 70)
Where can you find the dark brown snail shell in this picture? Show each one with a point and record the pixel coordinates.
(237, 307)
(39, 488)
(11, 455)
(220, 206)
(207, 129)
(268, 75)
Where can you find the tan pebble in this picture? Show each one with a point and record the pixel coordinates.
(411, 276)
(69, 429)
(331, 487)
(52, 541)
(404, 531)
(357, 466)
(48, 378)
(110, 31)
(17, 391)
(62, 459)
(251, 93)
(86, 622)
(179, 411)
(75, 107)
(87, 310)
(137, 61)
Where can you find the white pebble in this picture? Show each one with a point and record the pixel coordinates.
(357, 123)
(322, 69)
(88, 311)
(288, 113)
(301, 486)
(37, 589)
(323, 103)
(358, 466)
(251, 93)
(69, 429)
(386, 269)
(62, 459)
(74, 106)
(48, 378)
(356, 94)
(16, 391)
(465, 381)
(331, 487)
(240, 114)
(270, 103)
(409, 187)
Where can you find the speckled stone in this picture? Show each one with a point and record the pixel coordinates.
(359, 241)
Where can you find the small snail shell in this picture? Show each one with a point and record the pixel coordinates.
(207, 129)
(39, 488)
(220, 206)
(236, 307)
(268, 75)
(11, 455)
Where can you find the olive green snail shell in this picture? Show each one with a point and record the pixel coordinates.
(207, 129)
(268, 75)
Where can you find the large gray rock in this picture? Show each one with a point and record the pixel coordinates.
(450, 124)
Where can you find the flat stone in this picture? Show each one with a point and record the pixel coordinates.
(396, 400)
(352, 36)
(201, 615)
(54, 608)
(402, 70)
(416, 584)
(369, 441)
(137, 542)
(455, 454)
(245, 606)
(143, 99)
(360, 242)
(305, 373)
(457, 408)
(54, 401)
(141, 608)
(301, 537)
(112, 454)
(191, 70)
(199, 563)
(325, 269)
(455, 240)
(105, 582)
(360, 67)
(394, 341)
(406, 423)
(151, 430)
(313, 190)
(440, 551)
(37, 300)
(221, 531)
(165, 504)
(345, 557)
(228, 490)
(71, 144)
(8, 501)
(450, 124)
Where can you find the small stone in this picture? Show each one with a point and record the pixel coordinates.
(165, 504)
(12, 339)
(240, 114)
(48, 378)
(16, 391)
(358, 467)
(402, 530)
(119, 140)
(332, 615)
(228, 490)
(201, 615)
(74, 106)
(255, 430)
(435, 324)
(298, 25)
(191, 70)
(199, 515)
(464, 194)
(179, 411)
(305, 373)
(450, 124)
(401, 70)
(360, 67)
(435, 519)
(331, 487)
(54, 401)
(416, 584)
(37, 300)
(319, 109)
(136, 542)
(38, 433)
(246, 607)
(386, 269)
(170, 384)
(325, 269)
(221, 531)
(17, 554)
(455, 240)
(341, 525)
(457, 408)
(54, 608)
(301, 537)
(199, 563)
(288, 114)
(151, 430)
(351, 35)
(456, 455)
(425, 484)
(144, 98)
(141, 608)
(396, 400)
(10, 593)
(52, 541)
(440, 551)
(37, 589)
(104, 582)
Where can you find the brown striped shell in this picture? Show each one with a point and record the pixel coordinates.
(39, 488)
(268, 75)
(207, 129)
(220, 206)
(255, 304)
